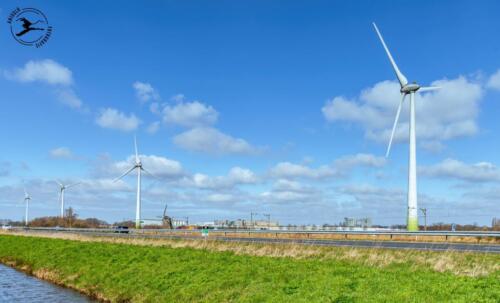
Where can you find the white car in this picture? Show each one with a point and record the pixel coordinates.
(6, 227)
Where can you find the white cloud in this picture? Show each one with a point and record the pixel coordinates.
(494, 81)
(153, 127)
(52, 73)
(451, 168)
(5, 168)
(236, 176)
(441, 115)
(61, 153)
(47, 71)
(190, 114)
(204, 181)
(289, 170)
(160, 167)
(347, 163)
(69, 98)
(360, 190)
(201, 136)
(293, 186)
(485, 197)
(154, 107)
(285, 196)
(106, 185)
(220, 198)
(342, 109)
(433, 146)
(284, 190)
(212, 141)
(114, 119)
(340, 167)
(368, 200)
(242, 175)
(178, 98)
(145, 92)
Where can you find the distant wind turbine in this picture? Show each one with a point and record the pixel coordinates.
(407, 89)
(27, 199)
(137, 165)
(62, 188)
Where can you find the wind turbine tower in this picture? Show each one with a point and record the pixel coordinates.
(62, 188)
(27, 199)
(138, 166)
(407, 89)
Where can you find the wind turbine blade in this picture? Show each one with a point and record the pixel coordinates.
(394, 126)
(71, 185)
(60, 184)
(136, 153)
(402, 79)
(124, 174)
(149, 173)
(428, 88)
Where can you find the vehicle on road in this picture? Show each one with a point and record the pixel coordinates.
(121, 229)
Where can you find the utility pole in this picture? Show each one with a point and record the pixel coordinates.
(268, 216)
(251, 219)
(424, 211)
(187, 221)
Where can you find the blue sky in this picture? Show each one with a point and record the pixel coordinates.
(279, 107)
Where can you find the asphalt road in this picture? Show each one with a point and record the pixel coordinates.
(431, 246)
(380, 244)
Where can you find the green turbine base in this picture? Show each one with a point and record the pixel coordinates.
(412, 224)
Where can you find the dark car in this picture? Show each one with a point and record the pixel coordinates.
(121, 229)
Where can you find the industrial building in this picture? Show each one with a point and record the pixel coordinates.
(360, 222)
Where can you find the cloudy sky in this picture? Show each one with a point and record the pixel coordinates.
(279, 107)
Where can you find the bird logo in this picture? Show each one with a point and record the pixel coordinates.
(27, 26)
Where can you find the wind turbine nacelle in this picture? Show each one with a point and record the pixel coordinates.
(409, 88)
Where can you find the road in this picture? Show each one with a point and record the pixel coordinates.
(429, 246)
(379, 244)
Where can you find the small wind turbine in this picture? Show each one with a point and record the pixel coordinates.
(407, 89)
(137, 165)
(27, 199)
(62, 188)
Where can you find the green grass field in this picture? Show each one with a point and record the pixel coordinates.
(141, 273)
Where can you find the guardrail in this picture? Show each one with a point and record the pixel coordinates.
(446, 234)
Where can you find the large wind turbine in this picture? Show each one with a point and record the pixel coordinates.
(27, 199)
(62, 188)
(137, 165)
(407, 89)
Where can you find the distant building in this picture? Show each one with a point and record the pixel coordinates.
(328, 227)
(151, 222)
(244, 224)
(349, 222)
(222, 223)
(361, 222)
(179, 222)
(495, 222)
(240, 223)
(364, 222)
(264, 224)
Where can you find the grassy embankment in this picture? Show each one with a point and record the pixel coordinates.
(195, 271)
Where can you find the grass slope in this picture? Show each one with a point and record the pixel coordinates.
(123, 272)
